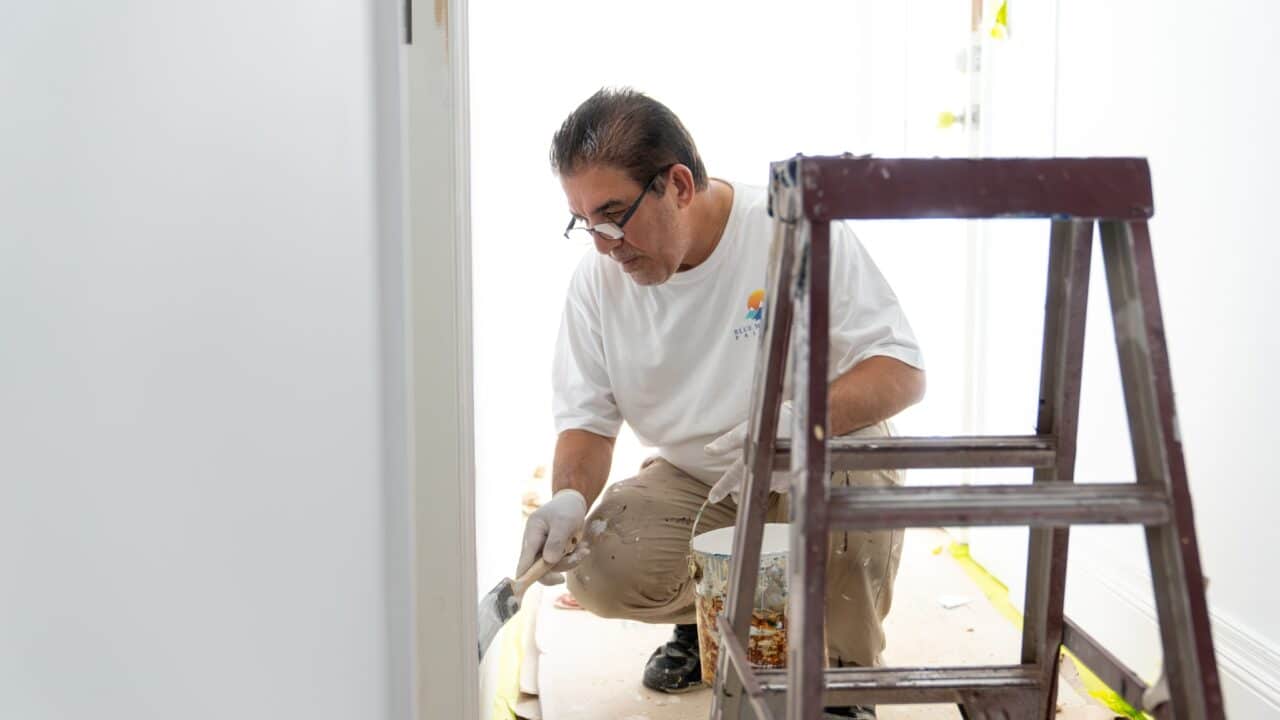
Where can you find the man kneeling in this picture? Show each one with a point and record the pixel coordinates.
(660, 330)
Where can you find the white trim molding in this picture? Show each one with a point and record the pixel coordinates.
(1252, 662)
(397, 502)
(439, 349)
(1249, 666)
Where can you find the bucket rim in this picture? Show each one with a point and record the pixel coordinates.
(776, 534)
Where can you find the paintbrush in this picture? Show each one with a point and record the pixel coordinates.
(503, 601)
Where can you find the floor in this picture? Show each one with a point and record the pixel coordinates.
(580, 667)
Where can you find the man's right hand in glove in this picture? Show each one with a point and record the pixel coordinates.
(547, 534)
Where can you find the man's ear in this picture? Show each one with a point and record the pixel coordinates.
(681, 183)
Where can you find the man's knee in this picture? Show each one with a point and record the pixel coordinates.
(600, 582)
(613, 587)
(624, 510)
(632, 567)
(608, 580)
(594, 594)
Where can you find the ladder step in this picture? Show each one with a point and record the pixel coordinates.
(849, 453)
(895, 686)
(1042, 505)
(765, 689)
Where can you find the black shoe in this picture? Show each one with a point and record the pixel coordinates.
(675, 667)
(857, 712)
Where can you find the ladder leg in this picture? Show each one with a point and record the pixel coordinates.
(806, 646)
(766, 393)
(1189, 663)
(1066, 302)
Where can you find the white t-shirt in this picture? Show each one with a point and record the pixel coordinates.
(676, 360)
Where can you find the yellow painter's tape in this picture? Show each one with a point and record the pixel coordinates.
(1000, 29)
(998, 595)
(507, 692)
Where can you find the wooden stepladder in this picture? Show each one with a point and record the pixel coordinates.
(806, 195)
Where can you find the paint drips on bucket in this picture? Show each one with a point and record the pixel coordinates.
(712, 565)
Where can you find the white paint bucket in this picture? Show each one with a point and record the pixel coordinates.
(712, 564)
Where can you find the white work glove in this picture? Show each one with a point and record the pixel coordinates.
(731, 444)
(547, 534)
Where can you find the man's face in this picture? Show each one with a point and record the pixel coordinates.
(653, 243)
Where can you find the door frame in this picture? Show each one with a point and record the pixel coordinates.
(425, 208)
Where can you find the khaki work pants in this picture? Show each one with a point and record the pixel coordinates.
(638, 564)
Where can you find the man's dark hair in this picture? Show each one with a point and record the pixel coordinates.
(628, 130)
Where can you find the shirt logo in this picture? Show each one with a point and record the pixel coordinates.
(754, 318)
(755, 305)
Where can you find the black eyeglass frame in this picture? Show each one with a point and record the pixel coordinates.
(603, 229)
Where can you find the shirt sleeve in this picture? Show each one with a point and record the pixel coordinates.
(582, 395)
(866, 318)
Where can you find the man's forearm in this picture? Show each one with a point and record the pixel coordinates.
(875, 389)
(582, 463)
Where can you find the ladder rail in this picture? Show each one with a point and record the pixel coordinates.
(1061, 363)
(810, 479)
(1172, 549)
(735, 661)
(767, 387)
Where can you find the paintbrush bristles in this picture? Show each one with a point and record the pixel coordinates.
(503, 601)
(494, 610)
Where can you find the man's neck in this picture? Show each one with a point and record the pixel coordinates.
(709, 217)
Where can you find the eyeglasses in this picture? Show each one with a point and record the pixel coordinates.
(578, 228)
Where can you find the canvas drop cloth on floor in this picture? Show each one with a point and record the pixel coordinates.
(589, 668)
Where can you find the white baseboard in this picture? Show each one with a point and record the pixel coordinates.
(1249, 665)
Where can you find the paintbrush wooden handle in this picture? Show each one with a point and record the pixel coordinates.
(539, 568)
(535, 572)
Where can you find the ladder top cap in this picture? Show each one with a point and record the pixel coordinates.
(839, 187)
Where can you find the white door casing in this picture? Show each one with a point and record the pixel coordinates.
(439, 358)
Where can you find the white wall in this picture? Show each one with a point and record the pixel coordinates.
(1188, 85)
(191, 519)
(1155, 79)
